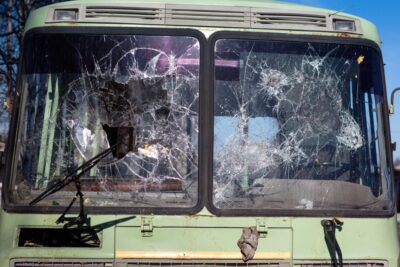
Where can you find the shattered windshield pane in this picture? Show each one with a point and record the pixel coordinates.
(298, 126)
(86, 93)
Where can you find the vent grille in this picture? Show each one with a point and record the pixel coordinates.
(187, 263)
(345, 264)
(209, 263)
(60, 263)
(288, 20)
(205, 16)
(144, 263)
(126, 14)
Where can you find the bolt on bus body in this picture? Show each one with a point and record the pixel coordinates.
(238, 133)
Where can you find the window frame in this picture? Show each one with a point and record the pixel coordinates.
(16, 126)
(293, 212)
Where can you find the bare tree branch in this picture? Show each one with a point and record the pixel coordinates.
(13, 16)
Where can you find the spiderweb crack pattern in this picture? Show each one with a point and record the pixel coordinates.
(303, 95)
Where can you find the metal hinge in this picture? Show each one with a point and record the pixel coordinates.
(262, 228)
(147, 226)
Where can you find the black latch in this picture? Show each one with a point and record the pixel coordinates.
(330, 227)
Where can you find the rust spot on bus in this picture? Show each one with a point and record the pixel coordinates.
(343, 34)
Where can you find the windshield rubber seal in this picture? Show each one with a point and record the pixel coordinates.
(210, 114)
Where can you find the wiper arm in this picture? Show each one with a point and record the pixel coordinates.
(82, 216)
(74, 176)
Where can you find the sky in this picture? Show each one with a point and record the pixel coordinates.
(385, 15)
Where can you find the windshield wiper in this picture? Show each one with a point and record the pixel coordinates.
(74, 176)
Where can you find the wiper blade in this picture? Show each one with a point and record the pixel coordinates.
(74, 176)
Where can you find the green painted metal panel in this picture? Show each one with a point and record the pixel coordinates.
(201, 234)
(38, 17)
(10, 224)
(198, 239)
(360, 239)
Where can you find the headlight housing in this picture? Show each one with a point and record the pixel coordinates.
(344, 25)
(65, 14)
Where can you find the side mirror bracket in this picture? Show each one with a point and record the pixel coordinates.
(391, 106)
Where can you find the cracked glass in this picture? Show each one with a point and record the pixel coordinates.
(85, 93)
(298, 125)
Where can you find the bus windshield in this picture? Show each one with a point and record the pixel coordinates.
(85, 93)
(298, 125)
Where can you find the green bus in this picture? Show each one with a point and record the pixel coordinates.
(220, 133)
